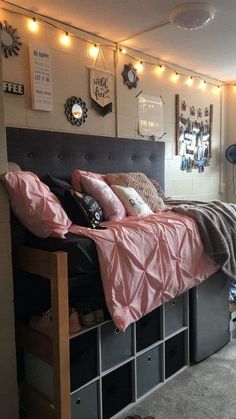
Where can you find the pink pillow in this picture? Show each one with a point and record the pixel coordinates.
(36, 207)
(76, 178)
(112, 207)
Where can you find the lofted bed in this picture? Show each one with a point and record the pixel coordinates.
(99, 371)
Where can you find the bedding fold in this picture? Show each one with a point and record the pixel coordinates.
(146, 261)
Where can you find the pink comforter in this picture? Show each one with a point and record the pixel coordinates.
(146, 261)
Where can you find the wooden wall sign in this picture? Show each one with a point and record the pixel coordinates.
(13, 88)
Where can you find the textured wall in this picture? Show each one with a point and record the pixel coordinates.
(70, 76)
(8, 387)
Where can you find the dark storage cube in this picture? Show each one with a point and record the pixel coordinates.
(116, 390)
(83, 359)
(116, 345)
(148, 370)
(175, 353)
(174, 315)
(148, 329)
(84, 403)
(209, 316)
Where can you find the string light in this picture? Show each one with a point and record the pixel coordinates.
(202, 85)
(139, 67)
(216, 90)
(175, 77)
(93, 51)
(160, 69)
(33, 25)
(189, 81)
(65, 39)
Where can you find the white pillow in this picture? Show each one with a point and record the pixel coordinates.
(132, 201)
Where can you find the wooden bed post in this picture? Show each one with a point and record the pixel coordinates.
(54, 351)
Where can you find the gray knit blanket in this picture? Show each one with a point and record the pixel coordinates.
(216, 222)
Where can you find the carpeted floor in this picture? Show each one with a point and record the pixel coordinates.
(204, 391)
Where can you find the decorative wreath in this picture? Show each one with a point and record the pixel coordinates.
(76, 110)
(130, 76)
(10, 41)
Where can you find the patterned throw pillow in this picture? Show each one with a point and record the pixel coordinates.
(158, 187)
(133, 202)
(142, 185)
(76, 178)
(82, 209)
(112, 207)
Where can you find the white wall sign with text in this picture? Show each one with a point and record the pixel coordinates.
(41, 80)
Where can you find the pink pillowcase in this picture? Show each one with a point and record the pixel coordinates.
(36, 207)
(76, 178)
(112, 207)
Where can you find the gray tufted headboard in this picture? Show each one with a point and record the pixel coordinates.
(57, 153)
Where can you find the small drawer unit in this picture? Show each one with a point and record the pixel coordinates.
(116, 346)
(149, 329)
(149, 370)
(176, 357)
(175, 314)
(83, 359)
(84, 403)
(117, 391)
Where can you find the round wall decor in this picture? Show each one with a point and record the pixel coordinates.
(130, 76)
(10, 41)
(76, 110)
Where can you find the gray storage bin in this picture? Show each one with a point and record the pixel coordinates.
(148, 370)
(84, 403)
(174, 315)
(116, 346)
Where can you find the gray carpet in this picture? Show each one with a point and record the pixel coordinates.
(204, 391)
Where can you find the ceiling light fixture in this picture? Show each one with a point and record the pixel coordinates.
(192, 15)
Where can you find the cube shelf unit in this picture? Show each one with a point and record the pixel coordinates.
(102, 369)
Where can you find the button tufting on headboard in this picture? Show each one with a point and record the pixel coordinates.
(59, 153)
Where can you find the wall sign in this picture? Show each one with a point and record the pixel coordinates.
(14, 88)
(41, 80)
(193, 134)
(150, 116)
(101, 91)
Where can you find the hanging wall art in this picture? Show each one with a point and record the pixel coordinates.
(101, 88)
(76, 111)
(10, 41)
(130, 76)
(193, 134)
(150, 116)
(41, 78)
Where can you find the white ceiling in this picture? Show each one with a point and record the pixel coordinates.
(210, 50)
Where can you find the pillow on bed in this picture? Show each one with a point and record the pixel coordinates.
(158, 188)
(56, 186)
(133, 202)
(82, 209)
(112, 207)
(76, 178)
(142, 185)
(36, 207)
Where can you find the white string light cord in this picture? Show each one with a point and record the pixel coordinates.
(177, 71)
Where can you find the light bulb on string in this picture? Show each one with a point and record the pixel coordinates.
(160, 69)
(175, 77)
(139, 67)
(234, 87)
(189, 81)
(93, 51)
(65, 39)
(33, 25)
(123, 50)
(216, 90)
(202, 85)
